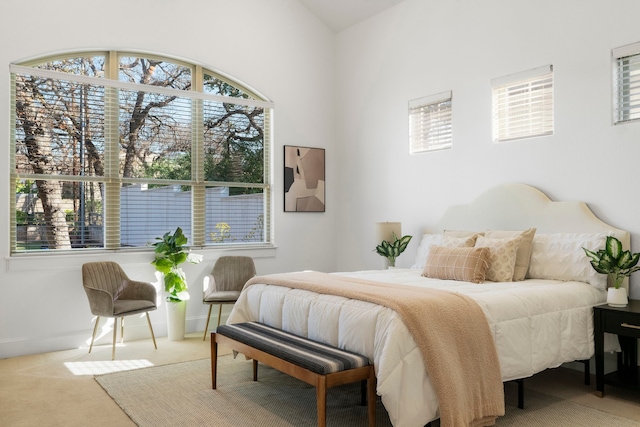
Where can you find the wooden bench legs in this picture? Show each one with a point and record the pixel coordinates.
(321, 382)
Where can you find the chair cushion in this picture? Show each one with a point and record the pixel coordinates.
(124, 307)
(222, 296)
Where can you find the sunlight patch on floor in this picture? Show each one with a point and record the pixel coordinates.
(105, 367)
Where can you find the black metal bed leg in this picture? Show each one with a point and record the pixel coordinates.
(520, 383)
(587, 371)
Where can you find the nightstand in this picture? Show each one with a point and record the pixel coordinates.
(625, 322)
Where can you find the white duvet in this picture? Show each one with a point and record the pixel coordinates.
(537, 324)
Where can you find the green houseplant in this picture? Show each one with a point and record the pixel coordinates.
(170, 252)
(392, 250)
(613, 261)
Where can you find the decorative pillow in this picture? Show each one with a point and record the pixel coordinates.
(560, 256)
(462, 233)
(523, 255)
(465, 264)
(459, 242)
(427, 241)
(502, 257)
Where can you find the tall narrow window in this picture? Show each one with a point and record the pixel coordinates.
(626, 83)
(523, 104)
(111, 150)
(430, 123)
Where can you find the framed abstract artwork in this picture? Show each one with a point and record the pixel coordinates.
(304, 179)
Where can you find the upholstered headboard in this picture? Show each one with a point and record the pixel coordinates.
(516, 206)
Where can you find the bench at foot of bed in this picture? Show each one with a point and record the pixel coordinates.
(318, 364)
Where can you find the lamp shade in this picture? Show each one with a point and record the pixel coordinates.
(386, 230)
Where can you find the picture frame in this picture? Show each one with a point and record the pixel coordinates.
(304, 179)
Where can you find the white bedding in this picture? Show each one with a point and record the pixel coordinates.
(537, 324)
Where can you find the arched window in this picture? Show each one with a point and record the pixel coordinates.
(110, 150)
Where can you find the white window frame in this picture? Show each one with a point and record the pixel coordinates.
(430, 123)
(523, 104)
(626, 83)
(112, 180)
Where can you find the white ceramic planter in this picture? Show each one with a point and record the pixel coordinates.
(176, 319)
(617, 297)
(386, 264)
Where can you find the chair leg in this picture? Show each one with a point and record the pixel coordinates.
(95, 329)
(219, 314)
(115, 332)
(206, 327)
(153, 337)
(121, 330)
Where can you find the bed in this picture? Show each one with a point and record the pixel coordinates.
(539, 322)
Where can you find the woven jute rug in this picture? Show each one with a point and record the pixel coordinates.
(180, 395)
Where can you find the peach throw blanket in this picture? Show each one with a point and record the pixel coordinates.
(450, 329)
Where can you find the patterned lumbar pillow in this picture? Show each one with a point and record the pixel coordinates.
(464, 263)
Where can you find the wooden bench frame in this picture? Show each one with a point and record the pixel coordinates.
(319, 381)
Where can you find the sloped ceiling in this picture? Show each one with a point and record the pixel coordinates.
(341, 14)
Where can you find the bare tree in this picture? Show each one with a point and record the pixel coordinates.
(37, 139)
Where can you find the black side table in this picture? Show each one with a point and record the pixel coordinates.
(625, 322)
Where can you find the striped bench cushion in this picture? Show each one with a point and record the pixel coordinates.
(312, 355)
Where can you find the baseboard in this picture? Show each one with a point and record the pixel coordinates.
(137, 329)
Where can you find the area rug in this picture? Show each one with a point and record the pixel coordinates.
(180, 395)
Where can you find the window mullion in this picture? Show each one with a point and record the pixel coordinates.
(111, 197)
(198, 190)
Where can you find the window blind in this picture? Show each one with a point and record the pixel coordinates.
(626, 83)
(523, 104)
(430, 123)
(189, 168)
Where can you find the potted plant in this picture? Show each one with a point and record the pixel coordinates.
(170, 252)
(616, 264)
(392, 250)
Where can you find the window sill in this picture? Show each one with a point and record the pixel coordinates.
(47, 261)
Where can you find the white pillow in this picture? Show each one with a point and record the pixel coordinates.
(459, 242)
(427, 241)
(502, 257)
(560, 256)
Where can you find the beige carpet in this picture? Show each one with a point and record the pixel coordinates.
(180, 395)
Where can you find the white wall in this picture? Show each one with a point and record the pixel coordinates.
(423, 47)
(276, 46)
(347, 93)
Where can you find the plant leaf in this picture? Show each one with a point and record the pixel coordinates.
(613, 247)
(403, 243)
(607, 262)
(628, 260)
(593, 255)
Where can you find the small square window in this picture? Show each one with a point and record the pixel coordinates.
(626, 83)
(523, 104)
(430, 123)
